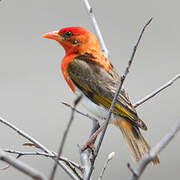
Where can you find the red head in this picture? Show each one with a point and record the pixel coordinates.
(75, 40)
(78, 41)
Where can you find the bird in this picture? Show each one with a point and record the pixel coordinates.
(90, 74)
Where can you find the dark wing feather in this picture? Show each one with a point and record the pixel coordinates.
(100, 86)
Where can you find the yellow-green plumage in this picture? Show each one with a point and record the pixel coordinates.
(99, 86)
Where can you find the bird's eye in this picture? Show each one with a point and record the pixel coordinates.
(68, 33)
(75, 41)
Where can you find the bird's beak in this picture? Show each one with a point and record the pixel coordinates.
(52, 35)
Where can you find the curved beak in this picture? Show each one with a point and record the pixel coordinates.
(52, 35)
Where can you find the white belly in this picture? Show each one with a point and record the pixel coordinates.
(98, 111)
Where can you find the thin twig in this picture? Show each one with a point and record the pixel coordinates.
(76, 110)
(37, 144)
(96, 28)
(169, 83)
(131, 169)
(116, 95)
(110, 157)
(37, 153)
(21, 166)
(25, 135)
(148, 157)
(72, 165)
(20, 153)
(64, 138)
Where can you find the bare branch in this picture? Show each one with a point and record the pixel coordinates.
(20, 153)
(25, 135)
(148, 157)
(68, 171)
(37, 144)
(155, 92)
(36, 153)
(116, 95)
(85, 163)
(76, 110)
(22, 166)
(131, 169)
(84, 155)
(110, 157)
(96, 28)
(72, 165)
(64, 138)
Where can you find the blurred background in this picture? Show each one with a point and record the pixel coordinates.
(32, 86)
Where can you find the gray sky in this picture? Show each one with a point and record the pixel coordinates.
(32, 86)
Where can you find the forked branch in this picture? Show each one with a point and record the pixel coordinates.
(26, 169)
(39, 145)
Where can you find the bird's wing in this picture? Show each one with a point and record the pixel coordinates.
(100, 86)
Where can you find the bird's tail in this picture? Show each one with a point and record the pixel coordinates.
(136, 142)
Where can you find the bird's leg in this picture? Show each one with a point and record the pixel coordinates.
(90, 141)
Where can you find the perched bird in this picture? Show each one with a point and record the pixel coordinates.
(89, 73)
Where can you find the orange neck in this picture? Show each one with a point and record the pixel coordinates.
(64, 65)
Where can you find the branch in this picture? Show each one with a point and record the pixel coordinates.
(110, 157)
(116, 95)
(96, 28)
(25, 135)
(84, 155)
(36, 153)
(37, 144)
(64, 138)
(76, 110)
(72, 165)
(169, 83)
(26, 169)
(148, 157)
(84, 159)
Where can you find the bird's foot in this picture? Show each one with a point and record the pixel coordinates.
(90, 141)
